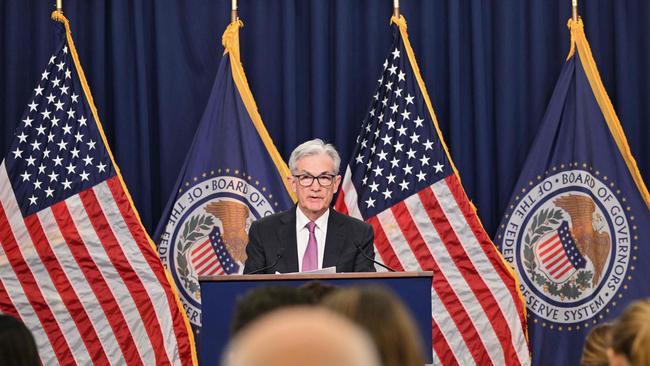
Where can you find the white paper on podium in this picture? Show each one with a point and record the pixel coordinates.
(328, 270)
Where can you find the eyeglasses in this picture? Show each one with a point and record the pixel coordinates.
(306, 180)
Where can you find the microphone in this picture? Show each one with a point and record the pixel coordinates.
(372, 260)
(275, 263)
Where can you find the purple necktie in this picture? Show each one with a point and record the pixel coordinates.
(310, 259)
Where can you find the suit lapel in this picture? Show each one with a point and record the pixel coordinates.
(287, 240)
(333, 240)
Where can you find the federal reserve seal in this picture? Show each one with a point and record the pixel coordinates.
(569, 238)
(207, 232)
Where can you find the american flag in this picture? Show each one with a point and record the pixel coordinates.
(559, 256)
(402, 181)
(76, 265)
(209, 257)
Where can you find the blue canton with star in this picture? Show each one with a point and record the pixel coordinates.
(57, 150)
(398, 152)
(569, 246)
(227, 262)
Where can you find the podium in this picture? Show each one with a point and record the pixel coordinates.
(219, 296)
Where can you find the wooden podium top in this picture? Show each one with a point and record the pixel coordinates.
(314, 276)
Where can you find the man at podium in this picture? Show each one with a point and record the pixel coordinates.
(310, 236)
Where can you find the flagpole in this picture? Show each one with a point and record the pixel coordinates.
(396, 8)
(574, 4)
(59, 6)
(233, 11)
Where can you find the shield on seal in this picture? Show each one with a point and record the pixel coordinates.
(209, 256)
(558, 255)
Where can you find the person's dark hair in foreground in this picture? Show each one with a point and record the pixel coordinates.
(385, 318)
(262, 300)
(318, 290)
(594, 352)
(17, 346)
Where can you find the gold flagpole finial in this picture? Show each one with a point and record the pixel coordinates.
(396, 8)
(59, 5)
(574, 4)
(233, 11)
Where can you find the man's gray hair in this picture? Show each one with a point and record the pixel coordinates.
(314, 147)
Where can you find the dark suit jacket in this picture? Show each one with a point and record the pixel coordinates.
(274, 237)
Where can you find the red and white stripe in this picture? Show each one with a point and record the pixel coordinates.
(204, 260)
(477, 315)
(83, 277)
(554, 258)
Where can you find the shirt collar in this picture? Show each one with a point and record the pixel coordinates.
(302, 220)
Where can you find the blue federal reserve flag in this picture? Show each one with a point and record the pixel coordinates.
(232, 176)
(580, 175)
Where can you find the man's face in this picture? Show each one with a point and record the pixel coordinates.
(314, 199)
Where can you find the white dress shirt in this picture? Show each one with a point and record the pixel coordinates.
(302, 235)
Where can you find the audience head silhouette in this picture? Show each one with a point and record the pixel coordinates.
(630, 336)
(318, 290)
(17, 346)
(298, 336)
(385, 318)
(594, 352)
(262, 300)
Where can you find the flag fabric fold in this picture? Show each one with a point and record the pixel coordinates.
(76, 264)
(402, 181)
(580, 182)
(232, 176)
